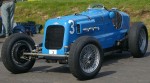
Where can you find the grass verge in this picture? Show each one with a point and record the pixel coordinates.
(40, 11)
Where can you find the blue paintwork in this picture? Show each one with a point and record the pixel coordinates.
(107, 35)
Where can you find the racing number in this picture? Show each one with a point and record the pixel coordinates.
(72, 26)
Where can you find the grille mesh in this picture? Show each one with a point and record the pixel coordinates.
(54, 37)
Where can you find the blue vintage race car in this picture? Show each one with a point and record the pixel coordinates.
(79, 40)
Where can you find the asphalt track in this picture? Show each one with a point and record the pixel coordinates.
(117, 68)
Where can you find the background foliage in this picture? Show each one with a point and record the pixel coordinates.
(40, 11)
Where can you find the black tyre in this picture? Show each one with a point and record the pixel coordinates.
(12, 53)
(138, 39)
(85, 59)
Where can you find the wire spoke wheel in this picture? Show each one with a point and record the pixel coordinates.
(142, 40)
(138, 39)
(85, 58)
(89, 58)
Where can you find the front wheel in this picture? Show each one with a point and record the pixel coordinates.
(12, 53)
(85, 59)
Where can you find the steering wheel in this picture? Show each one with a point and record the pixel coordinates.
(97, 6)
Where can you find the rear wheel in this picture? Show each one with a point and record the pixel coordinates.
(85, 59)
(138, 39)
(12, 53)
